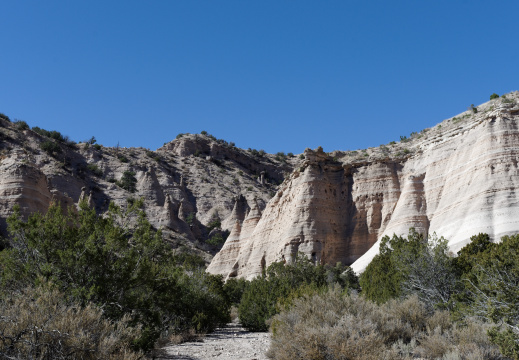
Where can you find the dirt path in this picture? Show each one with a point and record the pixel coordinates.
(229, 343)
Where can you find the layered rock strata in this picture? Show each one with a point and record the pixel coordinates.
(456, 180)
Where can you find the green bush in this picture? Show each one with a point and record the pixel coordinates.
(234, 289)
(492, 284)
(413, 265)
(258, 303)
(21, 125)
(128, 181)
(56, 135)
(215, 222)
(50, 147)
(262, 295)
(494, 96)
(95, 170)
(190, 218)
(4, 117)
(116, 261)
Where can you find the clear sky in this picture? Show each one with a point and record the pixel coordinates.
(266, 74)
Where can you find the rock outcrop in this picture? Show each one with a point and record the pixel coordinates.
(456, 179)
(184, 184)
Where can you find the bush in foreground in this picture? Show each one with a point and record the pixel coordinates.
(38, 324)
(264, 296)
(335, 325)
(117, 262)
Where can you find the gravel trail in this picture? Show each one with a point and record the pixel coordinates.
(231, 342)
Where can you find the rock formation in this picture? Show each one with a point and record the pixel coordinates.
(456, 179)
(182, 184)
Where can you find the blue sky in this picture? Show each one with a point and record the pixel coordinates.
(273, 75)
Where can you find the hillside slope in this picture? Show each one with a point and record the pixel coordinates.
(189, 185)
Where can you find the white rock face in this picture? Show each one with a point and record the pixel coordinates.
(459, 179)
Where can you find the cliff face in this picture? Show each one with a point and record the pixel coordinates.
(456, 179)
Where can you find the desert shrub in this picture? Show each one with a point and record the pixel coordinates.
(50, 147)
(21, 125)
(281, 156)
(217, 239)
(215, 222)
(56, 135)
(494, 96)
(493, 288)
(128, 181)
(334, 325)
(116, 261)
(122, 158)
(416, 265)
(4, 117)
(95, 170)
(36, 323)
(202, 303)
(258, 304)
(190, 218)
(264, 295)
(234, 289)
(188, 260)
(381, 281)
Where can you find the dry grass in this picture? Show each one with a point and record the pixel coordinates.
(335, 326)
(37, 324)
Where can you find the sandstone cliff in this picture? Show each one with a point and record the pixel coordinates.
(456, 179)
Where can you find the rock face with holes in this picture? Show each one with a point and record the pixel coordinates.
(457, 179)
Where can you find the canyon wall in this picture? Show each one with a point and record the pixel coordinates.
(457, 179)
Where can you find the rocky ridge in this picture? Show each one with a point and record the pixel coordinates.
(457, 179)
(186, 184)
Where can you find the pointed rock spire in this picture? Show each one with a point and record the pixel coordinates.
(90, 202)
